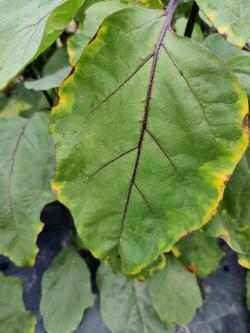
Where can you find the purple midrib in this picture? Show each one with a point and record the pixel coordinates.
(156, 51)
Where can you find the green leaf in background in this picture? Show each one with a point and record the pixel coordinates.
(20, 101)
(238, 60)
(175, 293)
(230, 17)
(200, 253)
(27, 161)
(180, 26)
(226, 51)
(241, 67)
(232, 222)
(29, 29)
(54, 72)
(13, 316)
(125, 305)
(66, 292)
(144, 142)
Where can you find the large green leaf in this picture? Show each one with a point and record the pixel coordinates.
(125, 305)
(28, 28)
(175, 293)
(27, 166)
(230, 17)
(145, 142)
(13, 316)
(232, 223)
(66, 292)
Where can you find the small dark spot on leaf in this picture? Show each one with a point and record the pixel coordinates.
(224, 35)
(245, 121)
(247, 46)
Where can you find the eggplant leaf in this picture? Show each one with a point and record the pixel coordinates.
(199, 253)
(27, 29)
(145, 142)
(175, 293)
(66, 292)
(13, 316)
(27, 160)
(230, 17)
(125, 305)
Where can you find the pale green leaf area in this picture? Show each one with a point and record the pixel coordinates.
(21, 101)
(13, 316)
(66, 292)
(226, 51)
(54, 72)
(144, 142)
(27, 165)
(241, 67)
(29, 29)
(230, 18)
(180, 26)
(232, 223)
(125, 305)
(175, 293)
(200, 253)
(238, 60)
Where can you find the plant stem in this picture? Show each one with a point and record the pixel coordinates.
(191, 20)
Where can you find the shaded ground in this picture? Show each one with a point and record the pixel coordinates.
(223, 311)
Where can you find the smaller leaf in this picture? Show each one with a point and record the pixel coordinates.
(66, 292)
(13, 316)
(54, 72)
(20, 101)
(126, 306)
(232, 222)
(218, 44)
(199, 253)
(175, 293)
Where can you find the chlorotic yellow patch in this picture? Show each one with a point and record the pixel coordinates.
(244, 262)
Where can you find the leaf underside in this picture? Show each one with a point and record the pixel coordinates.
(145, 142)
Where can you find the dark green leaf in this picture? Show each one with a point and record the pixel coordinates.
(66, 292)
(199, 253)
(13, 316)
(125, 305)
(175, 293)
